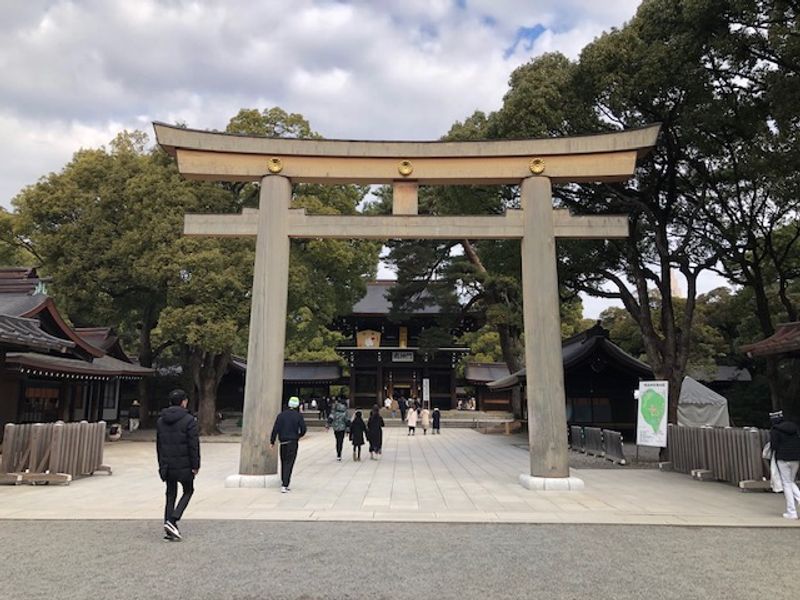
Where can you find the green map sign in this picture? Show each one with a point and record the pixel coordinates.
(651, 426)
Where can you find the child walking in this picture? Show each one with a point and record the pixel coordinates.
(357, 431)
(437, 421)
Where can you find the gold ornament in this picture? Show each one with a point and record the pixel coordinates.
(275, 165)
(536, 166)
(405, 168)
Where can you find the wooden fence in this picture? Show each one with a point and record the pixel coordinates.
(52, 452)
(722, 454)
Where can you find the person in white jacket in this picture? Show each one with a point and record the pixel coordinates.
(411, 419)
(425, 418)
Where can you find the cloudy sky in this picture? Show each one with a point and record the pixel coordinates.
(75, 72)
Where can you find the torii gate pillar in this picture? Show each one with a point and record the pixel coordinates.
(258, 464)
(547, 434)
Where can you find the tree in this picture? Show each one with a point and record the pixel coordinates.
(105, 228)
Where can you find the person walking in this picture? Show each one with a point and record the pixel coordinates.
(289, 427)
(437, 421)
(411, 420)
(323, 408)
(387, 403)
(403, 406)
(425, 420)
(133, 416)
(375, 426)
(785, 443)
(338, 421)
(358, 430)
(178, 451)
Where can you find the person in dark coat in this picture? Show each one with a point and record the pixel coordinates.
(437, 421)
(133, 416)
(289, 427)
(178, 450)
(785, 443)
(375, 426)
(358, 430)
(402, 404)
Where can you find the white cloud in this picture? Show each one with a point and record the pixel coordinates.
(75, 71)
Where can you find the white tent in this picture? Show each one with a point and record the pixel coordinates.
(699, 405)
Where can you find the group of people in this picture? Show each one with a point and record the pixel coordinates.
(178, 448)
(422, 416)
(358, 431)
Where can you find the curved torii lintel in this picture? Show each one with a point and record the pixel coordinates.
(222, 156)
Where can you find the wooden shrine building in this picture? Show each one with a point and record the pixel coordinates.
(385, 358)
(50, 370)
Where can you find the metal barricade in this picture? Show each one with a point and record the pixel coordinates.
(593, 441)
(612, 445)
(52, 452)
(576, 440)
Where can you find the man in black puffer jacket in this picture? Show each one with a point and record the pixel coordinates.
(178, 448)
(785, 443)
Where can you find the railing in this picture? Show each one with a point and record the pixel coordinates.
(724, 454)
(52, 452)
(598, 442)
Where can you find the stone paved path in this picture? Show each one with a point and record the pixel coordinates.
(459, 476)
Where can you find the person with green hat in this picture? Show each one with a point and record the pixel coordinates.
(288, 429)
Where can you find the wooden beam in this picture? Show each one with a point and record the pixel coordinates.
(507, 226)
(466, 170)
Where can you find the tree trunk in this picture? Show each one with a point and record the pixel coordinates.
(207, 406)
(145, 360)
(207, 370)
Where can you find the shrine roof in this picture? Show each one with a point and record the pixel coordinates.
(376, 301)
(785, 340)
(584, 346)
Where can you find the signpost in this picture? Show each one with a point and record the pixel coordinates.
(651, 422)
(426, 393)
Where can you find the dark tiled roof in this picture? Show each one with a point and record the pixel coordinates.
(300, 372)
(485, 372)
(25, 333)
(784, 341)
(375, 302)
(721, 373)
(579, 348)
(104, 338)
(104, 366)
(17, 304)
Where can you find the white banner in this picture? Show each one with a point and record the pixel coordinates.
(651, 422)
(426, 393)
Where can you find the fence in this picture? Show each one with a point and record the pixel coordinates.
(598, 442)
(576, 441)
(724, 454)
(52, 452)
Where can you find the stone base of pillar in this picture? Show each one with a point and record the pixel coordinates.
(253, 481)
(551, 484)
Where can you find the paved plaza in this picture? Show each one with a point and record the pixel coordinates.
(458, 476)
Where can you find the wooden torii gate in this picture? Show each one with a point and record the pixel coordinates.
(533, 164)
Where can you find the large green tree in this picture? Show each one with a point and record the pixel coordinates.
(105, 228)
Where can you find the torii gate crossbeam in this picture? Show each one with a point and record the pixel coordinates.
(533, 164)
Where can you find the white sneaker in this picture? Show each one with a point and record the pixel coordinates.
(792, 516)
(171, 529)
(284, 489)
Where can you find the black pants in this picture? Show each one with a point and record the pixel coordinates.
(403, 412)
(174, 513)
(288, 456)
(339, 442)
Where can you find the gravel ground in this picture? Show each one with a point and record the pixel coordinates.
(240, 560)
